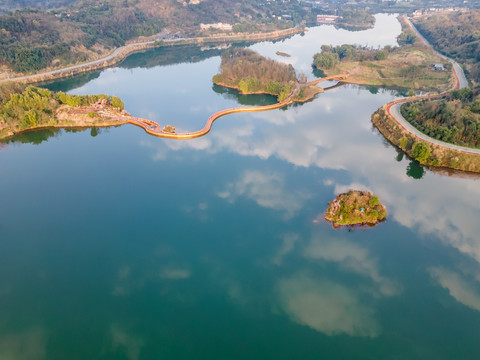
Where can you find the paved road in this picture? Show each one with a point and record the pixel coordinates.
(461, 78)
(393, 109)
(117, 51)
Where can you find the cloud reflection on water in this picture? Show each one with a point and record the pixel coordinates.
(326, 306)
(268, 190)
(465, 291)
(27, 345)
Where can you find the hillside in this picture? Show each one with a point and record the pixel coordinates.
(32, 40)
(10, 5)
(456, 34)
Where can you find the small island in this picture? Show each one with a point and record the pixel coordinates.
(356, 208)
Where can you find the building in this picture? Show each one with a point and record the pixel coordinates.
(438, 67)
(327, 19)
(219, 26)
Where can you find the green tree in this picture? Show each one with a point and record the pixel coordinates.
(421, 151)
(326, 60)
(116, 102)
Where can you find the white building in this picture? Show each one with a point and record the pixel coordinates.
(219, 26)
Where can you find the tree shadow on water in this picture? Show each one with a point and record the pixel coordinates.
(415, 170)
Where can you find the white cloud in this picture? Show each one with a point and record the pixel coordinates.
(326, 307)
(288, 244)
(123, 340)
(175, 273)
(464, 291)
(351, 257)
(268, 190)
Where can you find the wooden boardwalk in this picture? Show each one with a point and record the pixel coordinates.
(153, 128)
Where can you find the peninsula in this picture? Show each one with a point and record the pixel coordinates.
(412, 65)
(438, 129)
(355, 208)
(251, 73)
(32, 108)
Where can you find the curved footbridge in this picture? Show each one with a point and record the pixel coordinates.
(153, 128)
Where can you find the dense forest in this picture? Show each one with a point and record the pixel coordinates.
(251, 73)
(31, 40)
(455, 119)
(27, 107)
(456, 34)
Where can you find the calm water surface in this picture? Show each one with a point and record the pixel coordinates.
(118, 245)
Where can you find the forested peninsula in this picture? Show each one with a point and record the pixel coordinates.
(30, 108)
(355, 19)
(251, 73)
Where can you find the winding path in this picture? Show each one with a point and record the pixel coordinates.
(153, 128)
(393, 109)
(134, 47)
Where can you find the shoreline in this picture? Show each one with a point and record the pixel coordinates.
(302, 100)
(123, 52)
(66, 125)
(389, 121)
(153, 128)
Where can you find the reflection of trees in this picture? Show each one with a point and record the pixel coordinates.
(72, 82)
(173, 55)
(34, 137)
(249, 100)
(317, 72)
(400, 155)
(415, 170)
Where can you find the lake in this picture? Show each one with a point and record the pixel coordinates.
(118, 245)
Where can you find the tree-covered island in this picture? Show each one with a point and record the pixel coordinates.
(29, 108)
(251, 73)
(355, 19)
(356, 208)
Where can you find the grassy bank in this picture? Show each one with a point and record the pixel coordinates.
(409, 66)
(426, 153)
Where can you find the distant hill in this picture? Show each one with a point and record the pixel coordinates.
(10, 5)
(31, 40)
(457, 35)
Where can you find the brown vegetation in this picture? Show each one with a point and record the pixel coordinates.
(454, 119)
(455, 34)
(408, 66)
(434, 155)
(355, 208)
